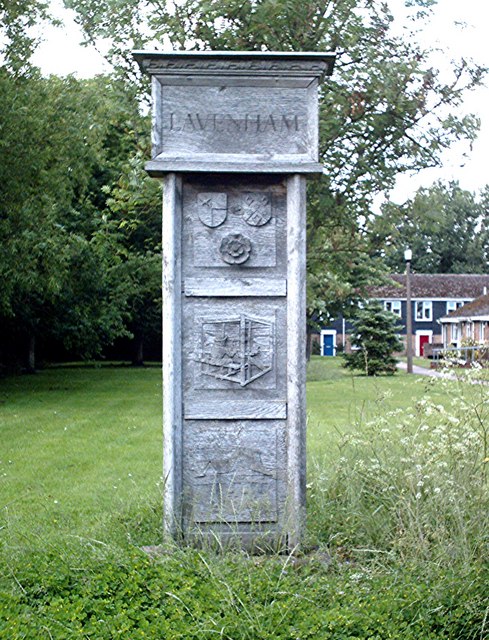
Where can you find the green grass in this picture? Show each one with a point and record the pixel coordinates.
(80, 492)
(419, 362)
(338, 400)
(83, 444)
(77, 446)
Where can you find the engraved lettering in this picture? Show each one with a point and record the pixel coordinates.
(201, 122)
(219, 122)
(269, 122)
(252, 123)
(188, 123)
(234, 124)
(228, 123)
(290, 123)
(173, 124)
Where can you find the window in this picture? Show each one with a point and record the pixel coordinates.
(394, 306)
(424, 310)
(482, 336)
(455, 333)
(454, 304)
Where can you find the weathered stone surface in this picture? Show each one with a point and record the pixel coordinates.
(238, 129)
(252, 226)
(235, 112)
(234, 471)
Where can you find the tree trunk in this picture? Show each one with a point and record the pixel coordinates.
(308, 344)
(31, 354)
(138, 353)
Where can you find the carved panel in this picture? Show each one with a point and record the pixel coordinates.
(256, 208)
(233, 352)
(235, 121)
(207, 64)
(234, 229)
(234, 471)
(212, 209)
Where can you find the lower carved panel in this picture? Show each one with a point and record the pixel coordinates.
(234, 471)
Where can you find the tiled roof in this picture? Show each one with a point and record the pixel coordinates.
(437, 285)
(478, 307)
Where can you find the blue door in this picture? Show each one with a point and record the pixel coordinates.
(328, 344)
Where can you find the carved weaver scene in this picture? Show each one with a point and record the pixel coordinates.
(238, 350)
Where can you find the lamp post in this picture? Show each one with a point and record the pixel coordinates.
(408, 255)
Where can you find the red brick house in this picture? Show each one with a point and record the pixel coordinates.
(433, 296)
(469, 322)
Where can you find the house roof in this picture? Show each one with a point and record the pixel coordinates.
(446, 286)
(476, 308)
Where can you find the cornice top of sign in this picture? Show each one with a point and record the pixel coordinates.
(312, 63)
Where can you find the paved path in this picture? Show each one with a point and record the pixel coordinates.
(433, 373)
(422, 371)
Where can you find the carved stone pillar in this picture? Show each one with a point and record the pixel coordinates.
(233, 136)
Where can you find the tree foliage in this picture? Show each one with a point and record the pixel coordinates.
(17, 40)
(385, 110)
(63, 253)
(374, 340)
(80, 221)
(446, 227)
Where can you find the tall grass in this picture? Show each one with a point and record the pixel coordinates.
(397, 517)
(409, 486)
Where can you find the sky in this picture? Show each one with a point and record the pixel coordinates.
(60, 53)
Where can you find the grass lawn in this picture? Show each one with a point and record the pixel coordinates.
(419, 361)
(81, 444)
(80, 492)
(338, 400)
(78, 445)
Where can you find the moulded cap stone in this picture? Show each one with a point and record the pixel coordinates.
(216, 111)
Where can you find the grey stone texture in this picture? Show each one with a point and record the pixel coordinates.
(232, 136)
(243, 111)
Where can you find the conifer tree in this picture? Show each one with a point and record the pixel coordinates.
(375, 337)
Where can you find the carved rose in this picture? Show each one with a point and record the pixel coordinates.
(235, 248)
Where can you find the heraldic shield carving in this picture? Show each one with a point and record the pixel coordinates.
(238, 350)
(212, 208)
(256, 208)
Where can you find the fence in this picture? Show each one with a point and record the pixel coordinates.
(467, 355)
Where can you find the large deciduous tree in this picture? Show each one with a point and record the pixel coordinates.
(61, 254)
(385, 110)
(446, 227)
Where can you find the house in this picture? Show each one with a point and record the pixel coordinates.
(467, 323)
(433, 296)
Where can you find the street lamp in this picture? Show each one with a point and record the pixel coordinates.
(408, 255)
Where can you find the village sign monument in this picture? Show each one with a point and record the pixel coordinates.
(234, 135)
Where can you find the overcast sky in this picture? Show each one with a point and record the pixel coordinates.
(61, 54)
